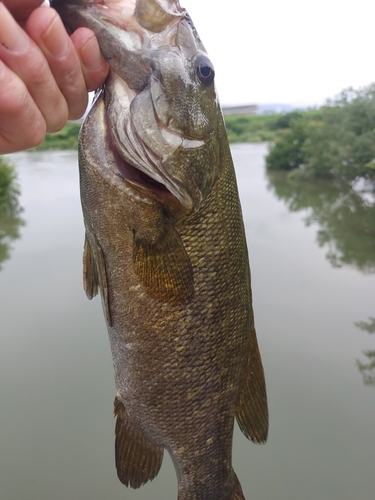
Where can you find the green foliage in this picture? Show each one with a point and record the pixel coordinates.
(8, 188)
(337, 142)
(10, 220)
(260, 128)
(257, 128)
(67, 138)
(286, 153)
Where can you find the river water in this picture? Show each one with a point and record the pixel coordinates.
(313, 274)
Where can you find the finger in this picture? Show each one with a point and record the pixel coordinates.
(94, 66)
(45, 27)
(24, 58)
(22, 125)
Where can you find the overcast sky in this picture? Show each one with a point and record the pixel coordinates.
(286, 51)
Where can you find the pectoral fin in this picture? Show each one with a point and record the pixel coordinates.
(138, 459)
(252, 409)
(90, 274)
(94, 274)
(164, 267)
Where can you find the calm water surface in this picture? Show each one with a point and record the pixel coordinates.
(313, 265)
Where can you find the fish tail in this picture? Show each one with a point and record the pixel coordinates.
(237, 493)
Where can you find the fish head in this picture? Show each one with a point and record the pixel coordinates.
(163, 116)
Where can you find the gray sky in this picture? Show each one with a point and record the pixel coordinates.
(293, 52)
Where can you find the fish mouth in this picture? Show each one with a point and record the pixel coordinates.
(134, 175)
(144, 169)
(152, 151)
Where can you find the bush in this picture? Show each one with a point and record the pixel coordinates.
(286, 152)
(338, 141)
(8, 189)
(256, 128)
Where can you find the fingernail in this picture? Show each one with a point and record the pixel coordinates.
(91, 56)
(56, 39)
(12, 37)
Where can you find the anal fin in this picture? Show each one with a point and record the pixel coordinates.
(138, 459)
(252, 408)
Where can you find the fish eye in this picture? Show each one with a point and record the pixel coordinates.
(204, 69)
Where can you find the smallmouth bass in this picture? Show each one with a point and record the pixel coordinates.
(166, 248)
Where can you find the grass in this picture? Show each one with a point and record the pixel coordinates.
(67, 138)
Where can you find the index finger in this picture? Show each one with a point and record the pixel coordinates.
(45, 27)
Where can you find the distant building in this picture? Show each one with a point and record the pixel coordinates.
(246, 109)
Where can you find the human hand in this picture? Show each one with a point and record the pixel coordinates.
(45, 75)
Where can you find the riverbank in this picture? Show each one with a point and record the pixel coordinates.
(336, 141)
(240, 129)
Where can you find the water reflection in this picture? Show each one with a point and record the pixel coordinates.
(56, 368)
(367, 369)
(346, 217)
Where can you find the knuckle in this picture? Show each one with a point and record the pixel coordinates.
(38, 74)
(14, 96)
(23, 126)
(35, 138)
(56, 120)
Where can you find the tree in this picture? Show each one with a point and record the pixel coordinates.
(338, 143)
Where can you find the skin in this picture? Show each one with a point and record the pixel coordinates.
(39, 59)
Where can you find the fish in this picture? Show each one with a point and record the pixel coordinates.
(165, 246)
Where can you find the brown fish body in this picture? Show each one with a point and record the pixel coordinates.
(174, 278)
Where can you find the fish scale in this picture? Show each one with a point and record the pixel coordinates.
(167, 251)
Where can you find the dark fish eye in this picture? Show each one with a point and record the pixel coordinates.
(204, 69)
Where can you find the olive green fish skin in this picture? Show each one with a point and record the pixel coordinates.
(179, 367)
(174, 277)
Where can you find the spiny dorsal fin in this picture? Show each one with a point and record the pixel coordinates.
(252, 409)
(138, 459)
(164, 267)
(94, 274)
